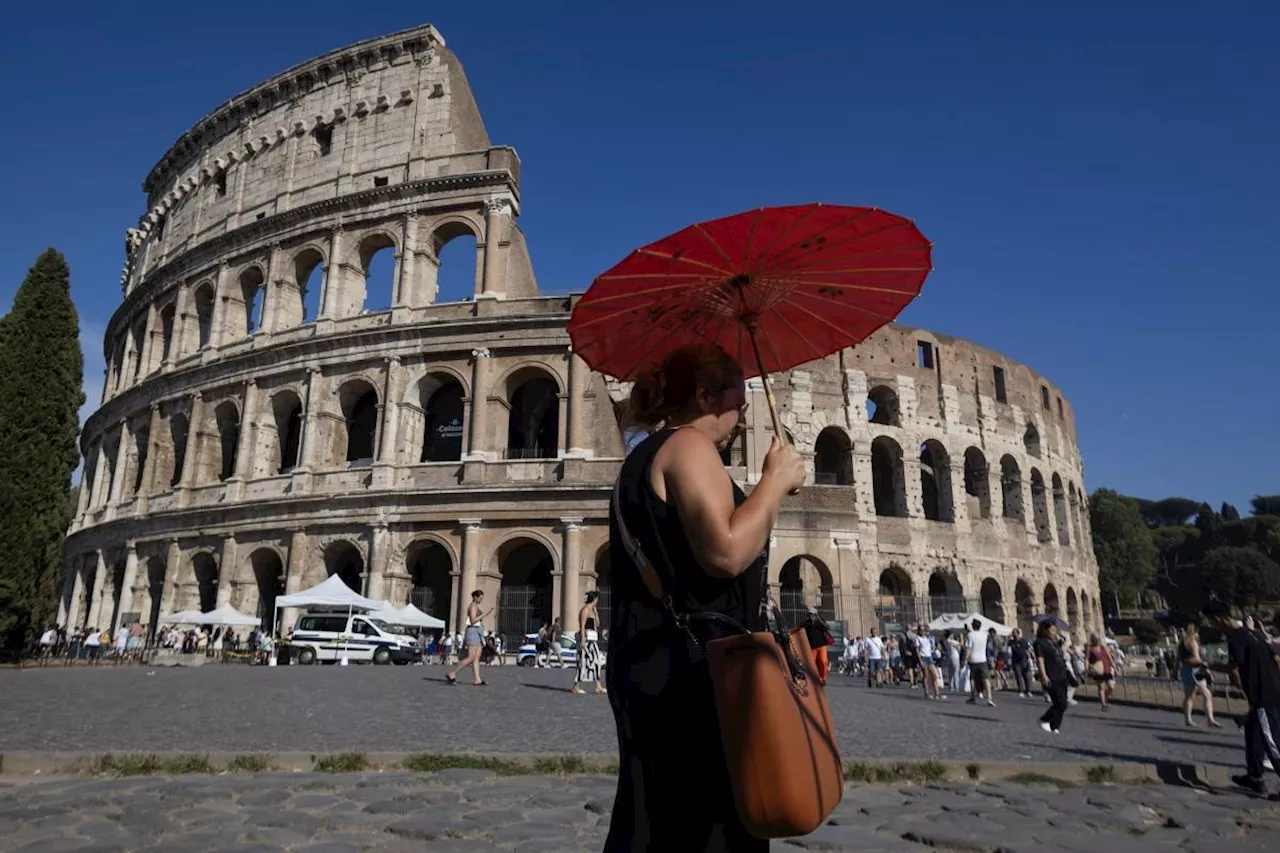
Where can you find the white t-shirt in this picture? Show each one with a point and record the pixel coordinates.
(924, 647)
(976, 643)
(875, 651)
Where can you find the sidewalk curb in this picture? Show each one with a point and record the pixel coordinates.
(34, 766)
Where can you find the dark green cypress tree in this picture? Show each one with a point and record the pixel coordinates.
(41, 379)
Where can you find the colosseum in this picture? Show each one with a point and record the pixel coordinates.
(275, 412)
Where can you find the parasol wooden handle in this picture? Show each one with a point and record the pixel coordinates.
(768, 390)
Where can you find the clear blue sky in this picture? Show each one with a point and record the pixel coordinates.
(1101, 184)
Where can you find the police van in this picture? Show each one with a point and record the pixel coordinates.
(333, 636)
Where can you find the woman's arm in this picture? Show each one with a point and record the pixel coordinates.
(725, 540)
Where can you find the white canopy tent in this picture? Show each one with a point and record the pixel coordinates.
(228, 615)
(408, 615)
(964, 622)
(331, 592)
(182, 617)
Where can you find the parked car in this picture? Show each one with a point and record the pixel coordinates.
(528, 651)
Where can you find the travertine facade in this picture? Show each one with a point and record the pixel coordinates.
(271, 416)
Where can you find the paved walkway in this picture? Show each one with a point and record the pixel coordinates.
(410, 709)
(471, 811)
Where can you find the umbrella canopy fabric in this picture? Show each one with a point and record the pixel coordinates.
(331, 592)
(228, 615)
(964, 622)
(803, 282)
(1053, 618)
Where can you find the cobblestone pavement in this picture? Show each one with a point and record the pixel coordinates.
(473, 811)
(404, 709)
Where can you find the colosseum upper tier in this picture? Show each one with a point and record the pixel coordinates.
(273, 415)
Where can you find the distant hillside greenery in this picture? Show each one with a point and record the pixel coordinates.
(1186, 551)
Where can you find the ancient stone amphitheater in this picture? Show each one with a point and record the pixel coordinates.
(276, 411)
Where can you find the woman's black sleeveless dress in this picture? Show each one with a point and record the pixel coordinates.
(673, 787)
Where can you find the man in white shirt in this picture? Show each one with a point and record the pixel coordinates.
(932, 678)
(875, 661)
(975, 651)
(48, 640)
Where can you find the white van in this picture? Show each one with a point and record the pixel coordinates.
(331, 636)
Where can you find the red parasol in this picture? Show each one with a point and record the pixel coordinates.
(775, 287)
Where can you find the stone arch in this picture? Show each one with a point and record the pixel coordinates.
(244, 304)
(883, 407)
(1074, 500)
(805, 581)
(286, 413)
(1039, 506)
(376, 253)
(526, 567)
(734, 454)
(1050, 598)
(168, 316)
(1026, 607)
(1060, 510)
(439, 415)
(937, 497)
(1031, 441)
(1073, 614)
(888, 480)
(152, 594)
(430, 566)
(222, 461)
(346, 560)
(178, 434)
(833, 458)
(1086, 608)
(204, 572)
(141, 447)
(895, 581)
(1011, 488)
(268, 581)
(205, 299)
(946, 594)
(895, 607)
(301, 303)
(455, 268)
(358, 400)
(137, 341)
(992, 600)
(977, 484)
(533, 419)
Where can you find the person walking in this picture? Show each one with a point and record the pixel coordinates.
(1251, 662)
(1054, 675)
(1020, 661)
(1195, 678)
(554, 650)
(589, 657)
(975, 649)
(819, 637)
(924, 648)
(952, 646)
(1102, 669)
(708, 544)
(473, 642)
(875, 660)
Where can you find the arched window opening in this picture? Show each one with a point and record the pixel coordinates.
(734, 454)
(992, 600)
(1086, 608)
(1011, 488)
(268, 575)
(441, 398)
(1060, 511)
(935, 482)
(1050, 599)
(308, 272)
(286, 409)
(1073, 616)
(604, 588)
(1039, 506)
(1031, 441)
(228, 420)
(138, 335)
(252, 291)
(977, 484)
(946, 595)
(882, 406)
(1075, 513)
(888, 483)
(167, 315)
(204, 315)
(430, 570)
(141, 444)
(456, 258)
(360, 412)
(117, 366)
(805, 583)
(1026, 608)
(533, 424)
(378, 265)
(525, 599)
(833, 458)
(345, 560)
(895, 608)
(205, 569)
(155, 595)
(178, 439)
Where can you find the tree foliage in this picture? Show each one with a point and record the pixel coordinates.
(41, 375)
(1266, 504)
(1127, 555)
(1229, 512)
(1148, 631)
